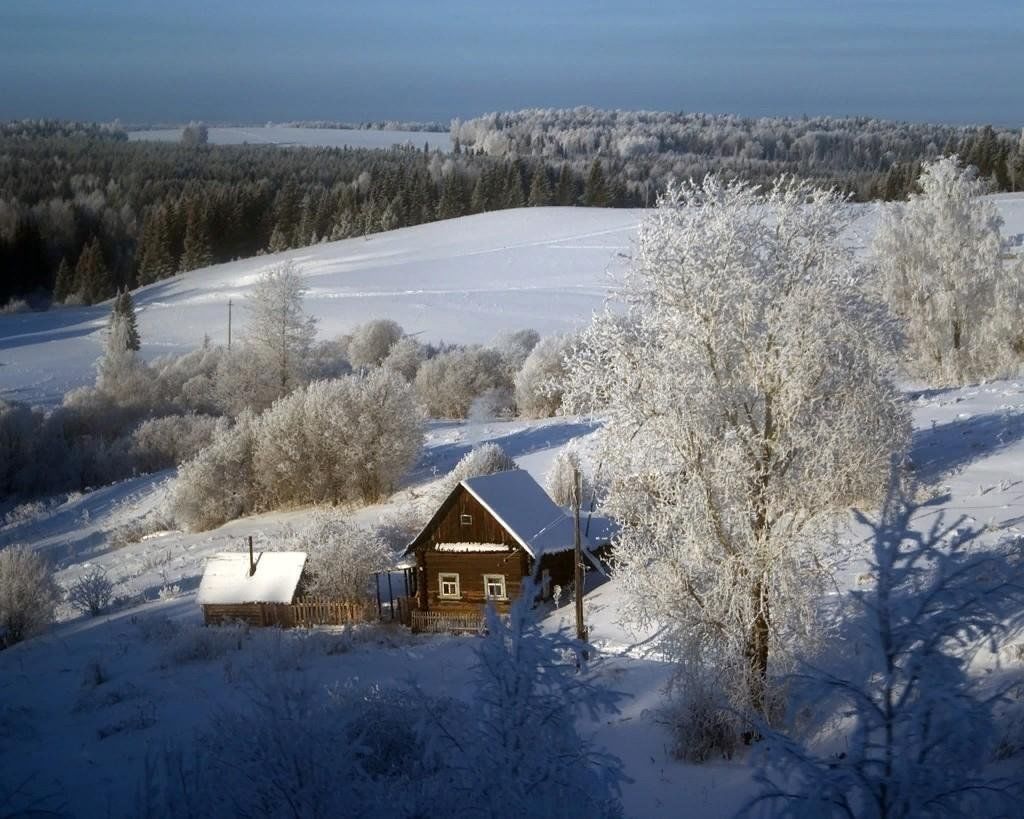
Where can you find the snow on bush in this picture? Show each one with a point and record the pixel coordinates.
(340, 441)
(747, 397)
(917, 723)
(346, 440)
(342, 557)
(200, 643)
(92, 592)
(218, 484)
(539, 382)
(448, 384)
(371, 343)
(161, 443)
(945, 272)
(405, 358)
(28, 594)
(514, 347)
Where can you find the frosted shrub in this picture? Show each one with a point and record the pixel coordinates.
(92, 592)
(161, 443)
(199, 644)
(188, 381)
(448, 384)
(702, 723)
(28, 594)
(405, 358)
(346, 440)
(371, 342)
(515, 347)
(539, 382)
(218, 484)
(342, 557)
(244, 382)
(329, 359)
(942, 265)
(745, 381)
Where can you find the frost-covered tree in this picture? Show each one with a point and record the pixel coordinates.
(941, 262)
(219, 483)
(746, 392)
(561, 480)
(120, 374)
(448, 384)
(279, 330)
(514, 347)
(371, 342)
(28, 594)
(123, 310)
(916, 724)
(405, 358)
(345, 440)
(539, 382)
(341, 557)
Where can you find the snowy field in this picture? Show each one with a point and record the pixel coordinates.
(84, 743)
(124, 685)
(463, 280)
(306, 137)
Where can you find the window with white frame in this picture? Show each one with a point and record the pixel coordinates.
(466, 520)
(494, 587)
(448, 585)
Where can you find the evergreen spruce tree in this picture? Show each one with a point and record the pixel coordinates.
(478, 201)
(91, 273)
(64, 284)
(514, 196)
(450, 204)
(196, 252)
(122, 313)
(595, 195)
(565, 194)
(540, 189)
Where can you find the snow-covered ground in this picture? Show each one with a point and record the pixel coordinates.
(82, 706)
(86, 742)
(463, 280)
(306, 137)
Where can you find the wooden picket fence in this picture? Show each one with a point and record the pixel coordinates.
(442, 622)
(306, 612)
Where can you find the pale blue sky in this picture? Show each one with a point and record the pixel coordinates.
(433, 59)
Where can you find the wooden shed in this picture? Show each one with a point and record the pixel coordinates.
(489, 534)
(254, 588)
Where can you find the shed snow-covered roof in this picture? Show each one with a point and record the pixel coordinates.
(520, 505)
(227, 581)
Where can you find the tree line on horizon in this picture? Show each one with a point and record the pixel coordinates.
(84, 213)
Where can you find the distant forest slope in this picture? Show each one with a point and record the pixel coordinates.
(84, 212)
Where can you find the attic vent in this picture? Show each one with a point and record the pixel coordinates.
(466, 520)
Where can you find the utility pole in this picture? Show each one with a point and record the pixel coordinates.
(577, 491)
(229, 325)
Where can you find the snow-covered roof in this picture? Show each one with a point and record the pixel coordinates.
(517, 501)
(471, 547)
(226, 579)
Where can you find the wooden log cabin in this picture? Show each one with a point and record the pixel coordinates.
(487, 536)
